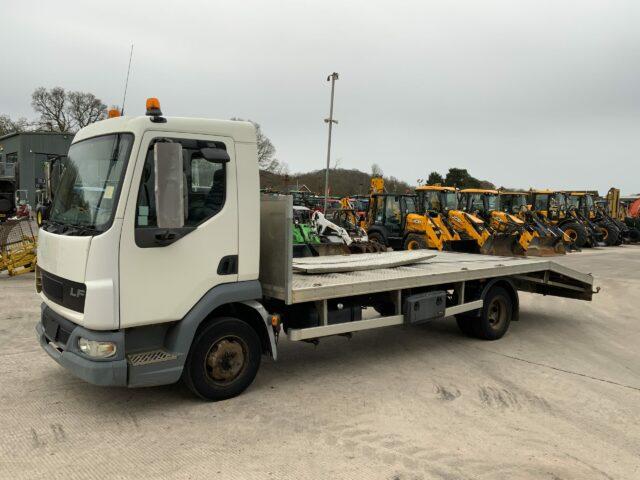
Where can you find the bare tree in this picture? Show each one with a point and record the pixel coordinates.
(8, 125)
(376, 171)
(266, 150)
(62, 111)
(50, 104)
(84, 108)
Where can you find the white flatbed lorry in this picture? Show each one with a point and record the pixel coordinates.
(161, 261)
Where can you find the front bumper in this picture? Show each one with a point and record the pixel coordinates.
(60, 341)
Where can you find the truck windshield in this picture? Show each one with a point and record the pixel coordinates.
(88, 190)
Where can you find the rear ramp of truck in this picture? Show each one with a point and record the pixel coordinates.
(446, 270)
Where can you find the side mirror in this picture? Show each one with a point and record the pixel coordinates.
(215, 155)
(169, 185)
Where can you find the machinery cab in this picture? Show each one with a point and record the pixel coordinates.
(436, 199)
(582, 202)
(388, 217)
(480, 202)
(550, 204)
(514, 203)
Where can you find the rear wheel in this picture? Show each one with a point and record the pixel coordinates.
(576, 232)
(379, 239)
(415, 241)
(495, 316)
(223, 360)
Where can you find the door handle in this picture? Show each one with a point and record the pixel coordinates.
(228, 265)
(166, 237)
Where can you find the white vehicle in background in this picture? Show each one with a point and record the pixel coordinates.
(160, 261)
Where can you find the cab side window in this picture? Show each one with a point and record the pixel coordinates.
(204, 184)
(541, 202)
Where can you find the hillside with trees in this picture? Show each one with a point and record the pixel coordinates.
(342, 182)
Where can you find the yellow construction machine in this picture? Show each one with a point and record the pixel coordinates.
(555, 208)
(402, 221)
(506, 214)
(475, 234)
(17, 247)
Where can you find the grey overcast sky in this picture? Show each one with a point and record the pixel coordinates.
(522, 93)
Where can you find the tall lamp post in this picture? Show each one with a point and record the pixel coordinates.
(333, 77)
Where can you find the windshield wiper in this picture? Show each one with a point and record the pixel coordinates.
(70, 228)
(83, 229)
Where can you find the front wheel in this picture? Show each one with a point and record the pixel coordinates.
(415, 241)
(577, 233)
(223, 360)
(610, 233)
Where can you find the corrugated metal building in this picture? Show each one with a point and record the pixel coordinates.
(22, 158)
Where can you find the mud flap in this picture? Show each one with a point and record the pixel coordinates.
(503, 246)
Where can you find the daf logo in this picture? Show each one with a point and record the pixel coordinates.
(76, 292)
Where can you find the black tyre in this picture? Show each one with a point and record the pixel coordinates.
(415, 241)
(496, 315)
(577, 233)
(634, 235)
(223, 360)
(610, 232)
(379, 239)
(41, 216)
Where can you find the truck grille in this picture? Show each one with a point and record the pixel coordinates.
(55, 330)
(64, 292)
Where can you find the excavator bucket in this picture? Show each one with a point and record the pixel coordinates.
(503, 246)
(546, 247)
(326, 249)
(466, 246)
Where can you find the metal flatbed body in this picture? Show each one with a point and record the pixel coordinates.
(450, 271)
(279, 280)
(444, 268)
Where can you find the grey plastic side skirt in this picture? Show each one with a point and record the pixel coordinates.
(180, 336)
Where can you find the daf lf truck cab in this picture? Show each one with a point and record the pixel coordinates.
(160, 261)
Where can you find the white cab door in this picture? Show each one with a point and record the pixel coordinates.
(162, 282)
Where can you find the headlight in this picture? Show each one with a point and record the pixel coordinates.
(94, 348)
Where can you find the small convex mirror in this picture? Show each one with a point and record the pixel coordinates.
(169, 185)
(215, 155)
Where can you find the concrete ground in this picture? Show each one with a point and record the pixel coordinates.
(557, 398)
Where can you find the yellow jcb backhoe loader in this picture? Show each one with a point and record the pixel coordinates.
(554, 207)
(475, 235)
(547, 239)
(483, 203)
(395, 220)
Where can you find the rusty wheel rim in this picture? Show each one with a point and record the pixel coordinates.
(497, 312)
(226, 360)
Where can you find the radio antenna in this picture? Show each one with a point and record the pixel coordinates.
(126, 83)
